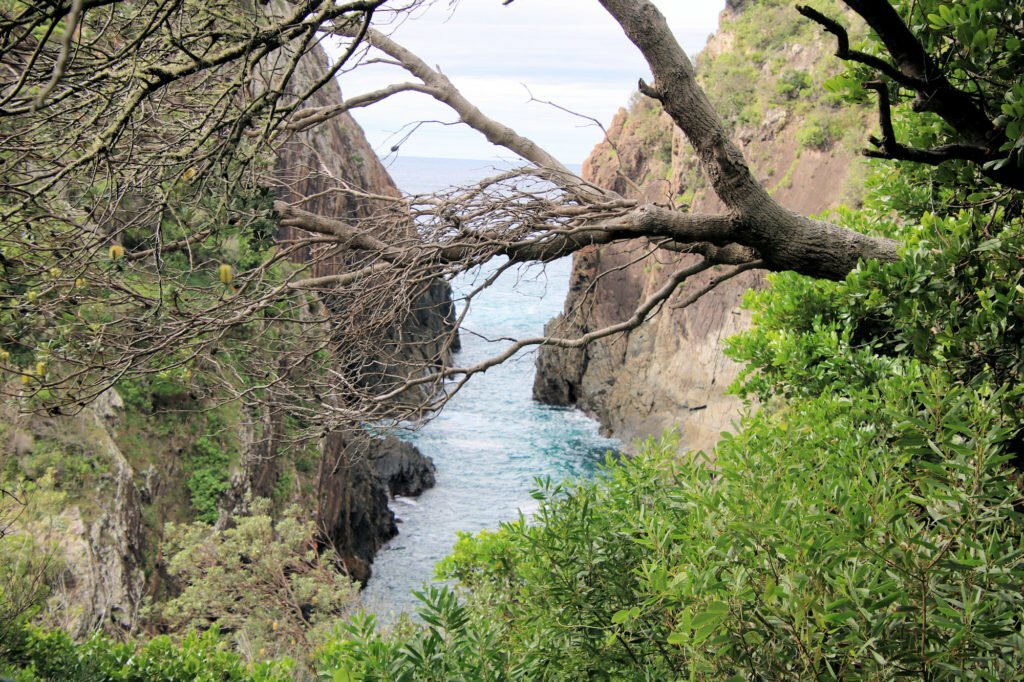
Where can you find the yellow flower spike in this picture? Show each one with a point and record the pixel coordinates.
(189, 175)
(55, 272)
(31, 296)
(5, 356)
(116, 252)
(225, 273)
(79, 283)
(26, 379)
(40, 369)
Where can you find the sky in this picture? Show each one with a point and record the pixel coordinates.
(569, 52)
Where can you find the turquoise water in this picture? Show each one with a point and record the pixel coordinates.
(491, 440)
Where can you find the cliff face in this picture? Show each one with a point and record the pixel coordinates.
(355, 473)
(764, 71)
(103, 483)
(94, 542)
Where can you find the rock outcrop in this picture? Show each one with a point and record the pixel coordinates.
(96, 542)
(357, 473)
(671, 372)
(402, 468)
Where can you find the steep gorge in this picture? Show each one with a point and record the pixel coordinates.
(765, 71)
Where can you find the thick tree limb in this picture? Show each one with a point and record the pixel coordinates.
(700, 231)
(888, 148)
(783, 239)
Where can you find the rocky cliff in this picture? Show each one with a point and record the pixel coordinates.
(100, 485)
(93, 540)
(355, 472)
(765, 70)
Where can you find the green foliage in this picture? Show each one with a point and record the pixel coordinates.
(265, 583)
(793, 83)
(754, 74)
(841, 538)
(208, 471)
(953, 302)
(52, 656)
(817, 132)
(982, 52)
(449, 645)
(70, 466)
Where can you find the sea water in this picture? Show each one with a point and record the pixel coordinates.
(492, 440)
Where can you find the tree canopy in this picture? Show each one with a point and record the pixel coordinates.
(139, 206)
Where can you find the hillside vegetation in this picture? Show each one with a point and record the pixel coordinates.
(864, 521)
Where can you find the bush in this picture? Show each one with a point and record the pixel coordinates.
(43, 655)
(266, 584)
(208, 467)
(870, 538)
(816, 133)
(792, 84)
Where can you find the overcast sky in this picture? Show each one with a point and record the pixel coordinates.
(567, 51)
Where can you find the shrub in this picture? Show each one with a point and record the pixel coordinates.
(792, 84)
(52, 655)
(870, 538)
(208, 467)
(816, 132)
(265, 583)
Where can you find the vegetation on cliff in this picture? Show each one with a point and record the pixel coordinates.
(131, 436)
(864, 522)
